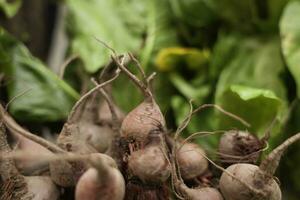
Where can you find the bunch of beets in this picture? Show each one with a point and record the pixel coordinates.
(103, 154)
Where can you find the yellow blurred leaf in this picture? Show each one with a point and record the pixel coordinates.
(170, 58)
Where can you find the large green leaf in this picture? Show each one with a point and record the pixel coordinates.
(255, 68)
(225, 48)
(48, 98)
(239, 14)
(197, 13)
(159, 30)
(250, 15)
(290, 39)
(257, 106)
(257, 63)
(188, 90)
(158, 33)
(10, 8)
(104, 20)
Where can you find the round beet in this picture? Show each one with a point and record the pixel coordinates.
(145, 118)
(200, 193)
(191, 161)
(149, 164)
(250, 182)
(205, 193)
(232, 189)
(239, 147)
(101, 182)
(42, 187)
(66, 173)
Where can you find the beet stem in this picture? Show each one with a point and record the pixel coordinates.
(192, 112)
(109, 101)
(138, 65)
(201, 134)
(15, 97)
(271, 162)
(84, 97)
(65, 64)
(145, 90)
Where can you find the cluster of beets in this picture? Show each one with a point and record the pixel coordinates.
(103, 154)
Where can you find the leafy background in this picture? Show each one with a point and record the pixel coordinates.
(242, 55)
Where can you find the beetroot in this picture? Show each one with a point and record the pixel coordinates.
(101, 182)
(150, 163)
(18, 187)
(71, 139)
(146, 117)
(191, 161)
(248, 181)
(237, 146)
(142, 120)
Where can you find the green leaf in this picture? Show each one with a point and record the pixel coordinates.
(160, 31)
(48, 98)
(257, 63)
(10, 8)
(197, 93)
(255, 68)
(101, 19)
(290, 39)
(275, 8)
(239, 14)
(197, 13)
(256, 106)
(225, 48)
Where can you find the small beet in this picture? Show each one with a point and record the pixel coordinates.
(101, 182)
(105, 115)
(72, 139)
(98, 129)
(145, 118)
(191, 161)
(239, 147)
(251, 182)
(42, 187)
(150, 164)
(27, 165)
(19, 187)
(232, 189)
(205, 193)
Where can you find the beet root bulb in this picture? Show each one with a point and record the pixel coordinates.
(149, 164)
(141, 121)
(233, 189)
(101, 182)
(239, 147)
(191, 161)
(42, 187)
